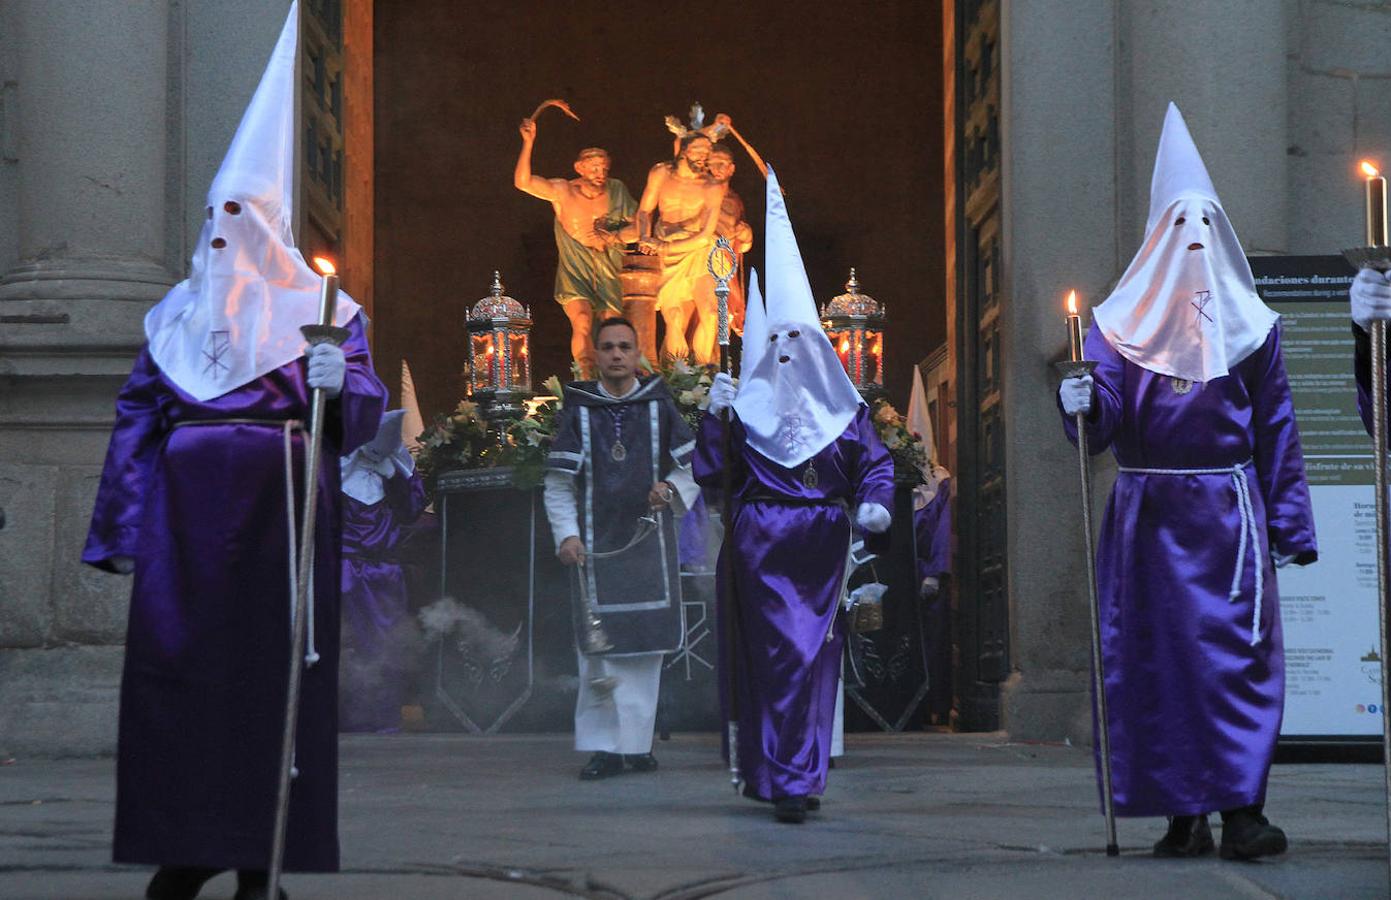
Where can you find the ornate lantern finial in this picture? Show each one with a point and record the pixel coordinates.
(499, 364)
(854, 322)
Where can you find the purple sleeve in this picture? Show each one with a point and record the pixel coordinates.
(135, 441)
(358, 410)
(1278, 457)
(1109, 386)
(941, 542)
(932, 526)
(1362, 369)
(406, 496)
(874, 470)
(708, 463)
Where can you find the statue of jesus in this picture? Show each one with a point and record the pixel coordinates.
(686, 204)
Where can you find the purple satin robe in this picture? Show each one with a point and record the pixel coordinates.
(376, 637)
(932, 531)
(1195, 707)
(202, 511)
(790, 544)
(1362, 371)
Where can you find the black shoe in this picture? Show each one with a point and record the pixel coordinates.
(1246, 834)
(602, 765)
(813, 804)
(790, 809)
(641, 762)
(1187, 836)
(178, 882)
(254, 885)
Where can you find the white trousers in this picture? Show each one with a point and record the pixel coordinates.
(838, 724)
(622, 722)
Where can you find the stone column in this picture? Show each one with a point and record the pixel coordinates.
(1058, 227)
(89, 113)
(91, 87)
(1223, 62)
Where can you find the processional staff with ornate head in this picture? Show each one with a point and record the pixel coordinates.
(722, 264)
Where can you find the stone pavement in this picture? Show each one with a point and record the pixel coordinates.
(961, 816)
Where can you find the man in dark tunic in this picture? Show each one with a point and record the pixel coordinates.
(619, 462)
(203, 484)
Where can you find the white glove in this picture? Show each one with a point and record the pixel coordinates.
(327, 367)
(872, 517)
(123, 565)
(1281, 560)
(722, 393)
(929, 588)
(1076, 395)
(1371, 298)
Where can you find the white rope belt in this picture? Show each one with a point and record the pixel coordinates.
(287, 428)
(1247, 532)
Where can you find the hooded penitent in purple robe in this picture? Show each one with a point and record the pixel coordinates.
(375, 608)
(790, 536)
(199, 503)
(1190, 612)
(932, 531)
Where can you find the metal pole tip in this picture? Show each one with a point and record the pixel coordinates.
(1113, 850)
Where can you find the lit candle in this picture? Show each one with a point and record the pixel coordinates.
(1074, 328)
(1376, 205)
(328, 292)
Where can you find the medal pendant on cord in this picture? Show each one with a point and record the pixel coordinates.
(619, 452)
(1181, 386)
(809, 477)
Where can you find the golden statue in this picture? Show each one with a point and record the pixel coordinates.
(686, 204)
(592, 223)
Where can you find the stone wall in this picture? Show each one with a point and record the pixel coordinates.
(113, 122)
(1282, 97)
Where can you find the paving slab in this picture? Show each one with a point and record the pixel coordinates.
(924, 815)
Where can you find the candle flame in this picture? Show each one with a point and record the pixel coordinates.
(1072, 303)
(845, 345)
(325, 265)
(1369, 168)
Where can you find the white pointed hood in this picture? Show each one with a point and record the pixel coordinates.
(755, 326)
(920, 423)
(238, 314)
(364, 471)
(413, 425)
(795, 398)
(1187, 306)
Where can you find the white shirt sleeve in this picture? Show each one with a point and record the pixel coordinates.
(561, 509)
(683, 485)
